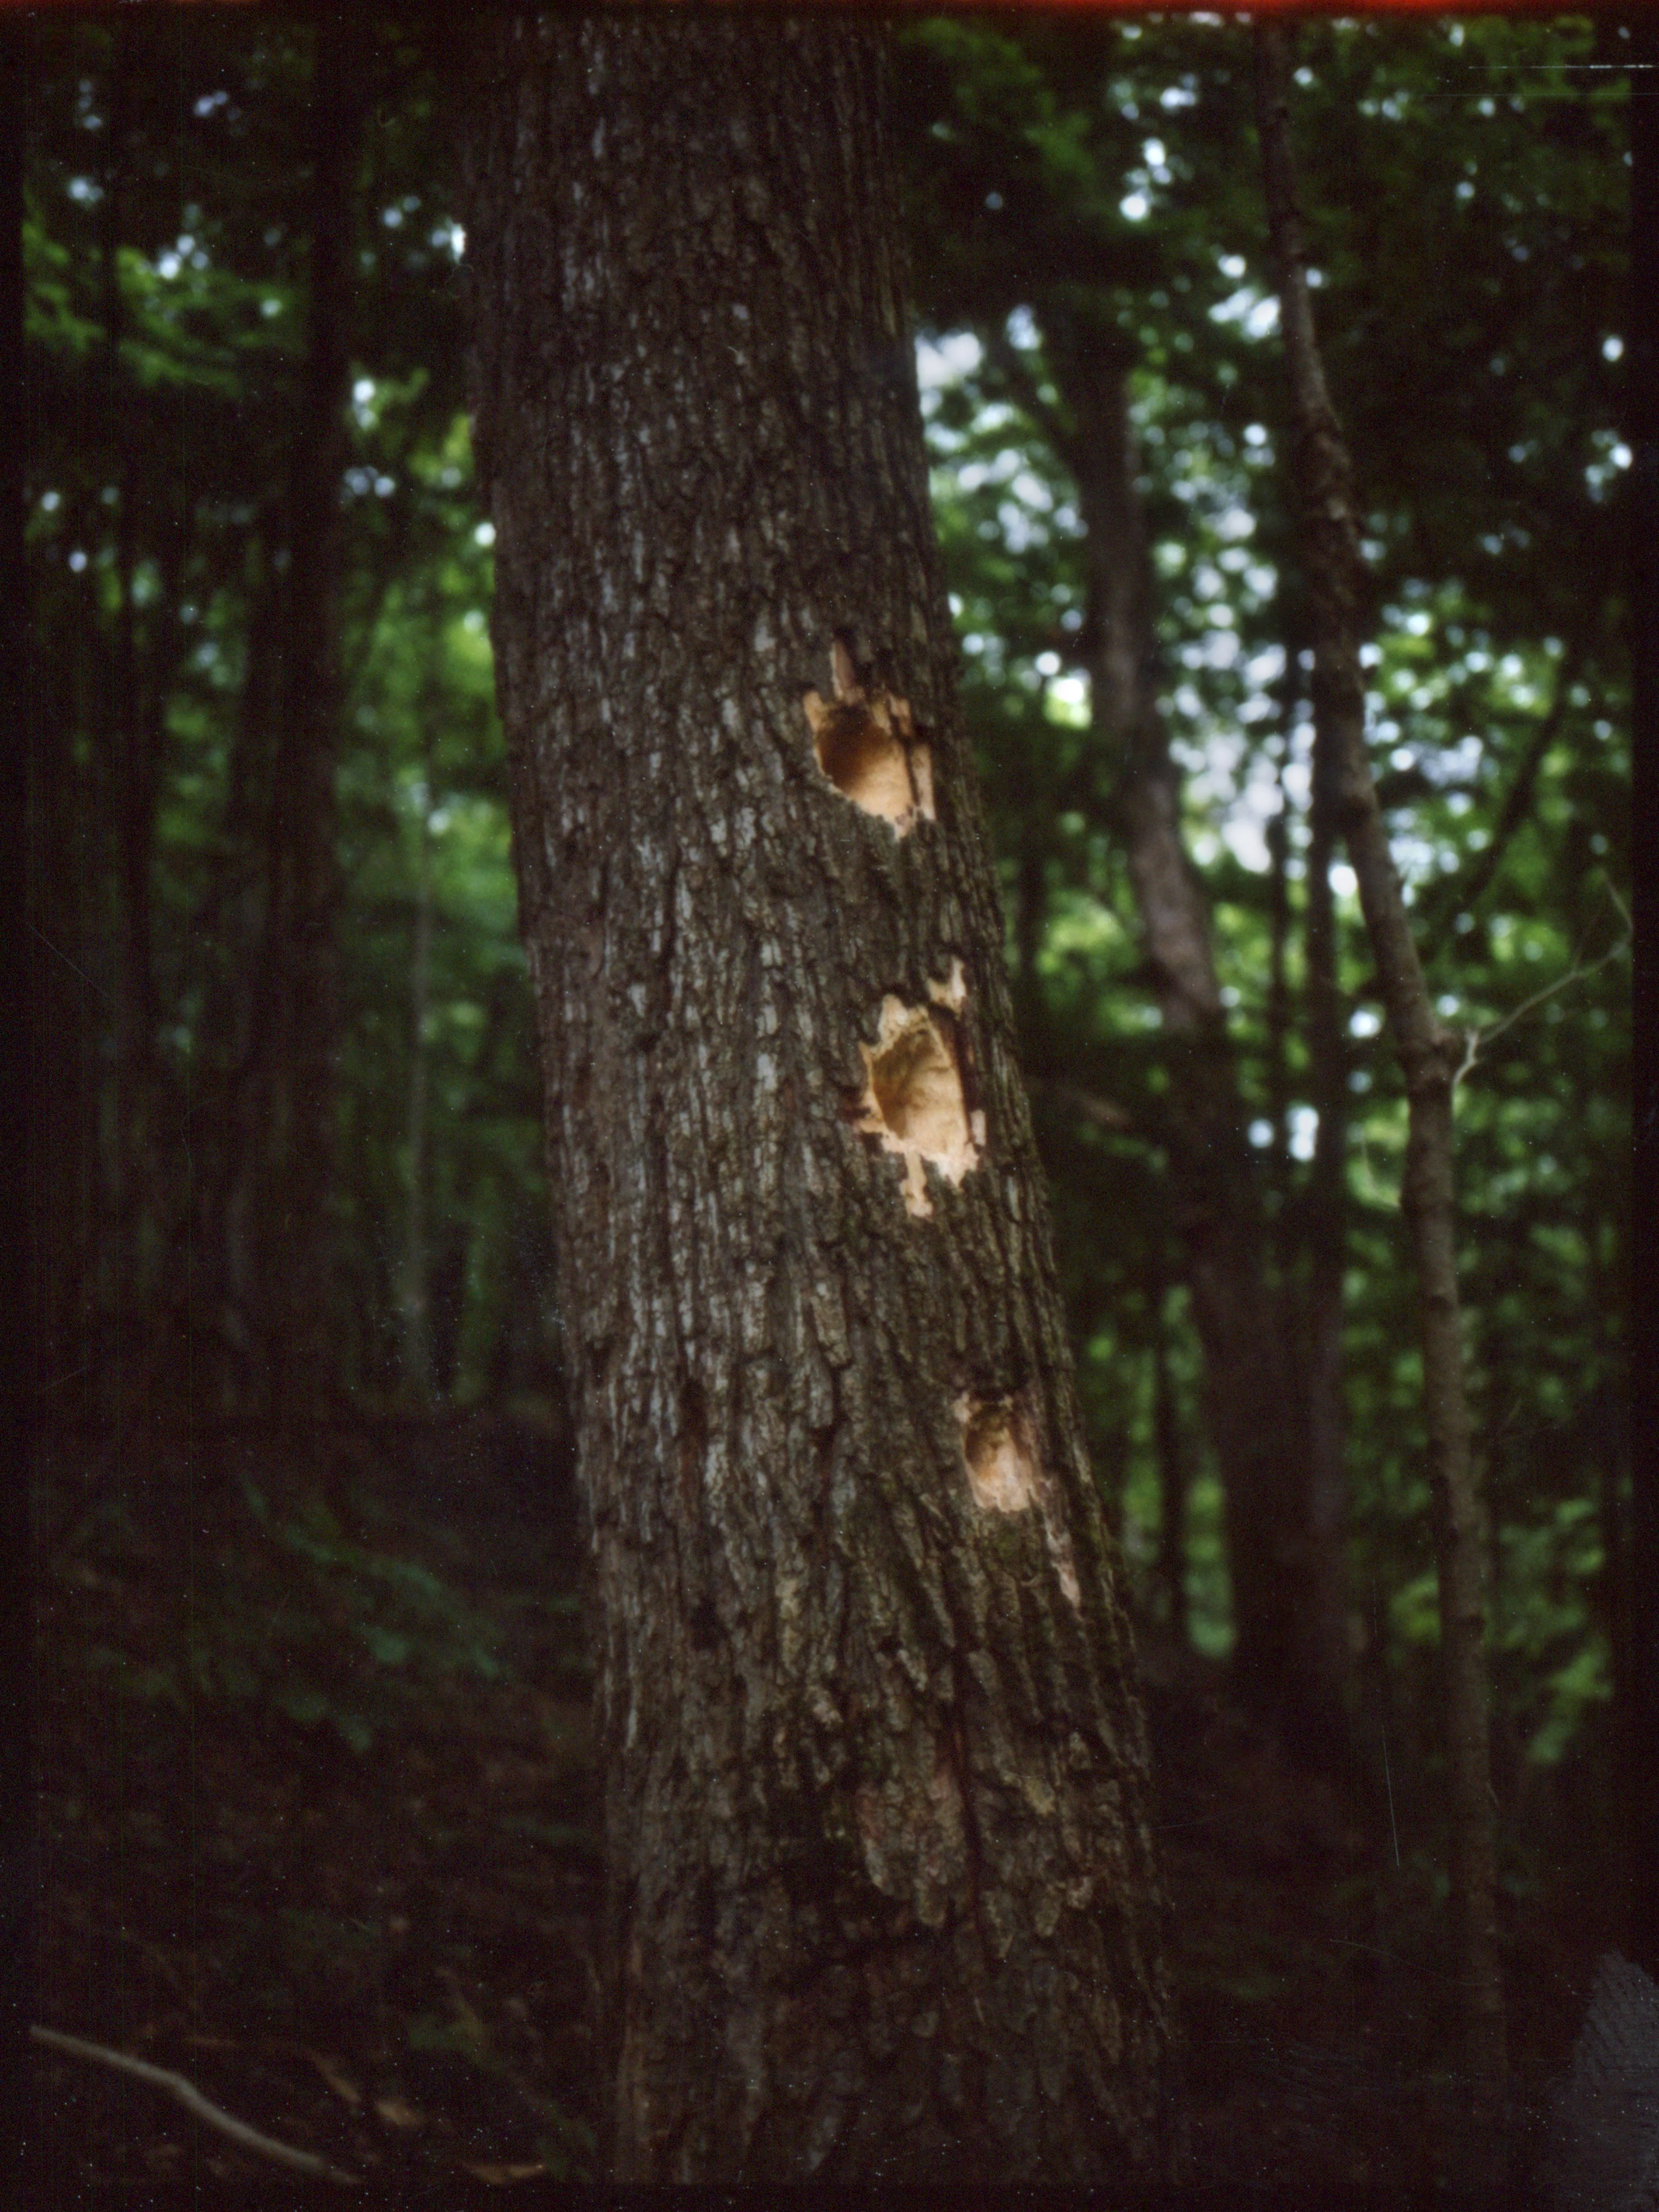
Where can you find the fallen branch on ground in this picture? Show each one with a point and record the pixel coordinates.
(187, 2095)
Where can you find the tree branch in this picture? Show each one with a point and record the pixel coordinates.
(1475, 1037)
(1466, 897)
(187, 2095)
(1028, 395)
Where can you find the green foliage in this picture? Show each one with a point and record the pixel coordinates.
(168, 199)
(295, 1617)
(1464, 186)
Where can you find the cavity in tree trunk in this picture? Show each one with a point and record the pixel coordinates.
(882, 1896)
(1333, 566)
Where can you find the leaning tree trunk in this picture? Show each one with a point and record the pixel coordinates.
(1281, 1663)
(882, 1895)
(1333, 564)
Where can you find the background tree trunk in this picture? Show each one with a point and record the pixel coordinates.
(883, 1901)
(1641, 1730)
(1172, 1473)
(299, 953)
(19, 716)
(416, 1344)
(1281, 1663)
(1333, 565)
(1325, 1225)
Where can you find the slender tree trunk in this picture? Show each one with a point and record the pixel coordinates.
(1249, 1377)
(302, 956)
(1279, 1008)
(1642, 1731)
(20, 1884)
(1333, 566)
(882, 1898)
(1171, 1471)
(120, 1109)
(1325, 1224)
(236, 1024)
(417, 1362)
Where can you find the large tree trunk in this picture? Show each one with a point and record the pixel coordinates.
(1333, 565)
(1280, 1662)
(883, 1901)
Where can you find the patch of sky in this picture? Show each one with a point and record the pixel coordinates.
(1018, 530)
(1256, 312)
(946, 361)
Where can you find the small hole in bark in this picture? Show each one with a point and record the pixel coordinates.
(913, 1100)
(1001, 1467)
(866, 745)
(1006, 1474)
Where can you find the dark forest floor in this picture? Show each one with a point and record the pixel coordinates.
(318, 1832)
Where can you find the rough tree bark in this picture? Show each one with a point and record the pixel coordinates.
(882, 1895)
(1281, 1663)
(1334, 570)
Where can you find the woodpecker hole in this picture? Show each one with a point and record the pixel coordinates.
(865, 743)
(1007, 1475)
(1001, 1470)
(913, 1102)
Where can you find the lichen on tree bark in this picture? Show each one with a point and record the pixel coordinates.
(882, 1895)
